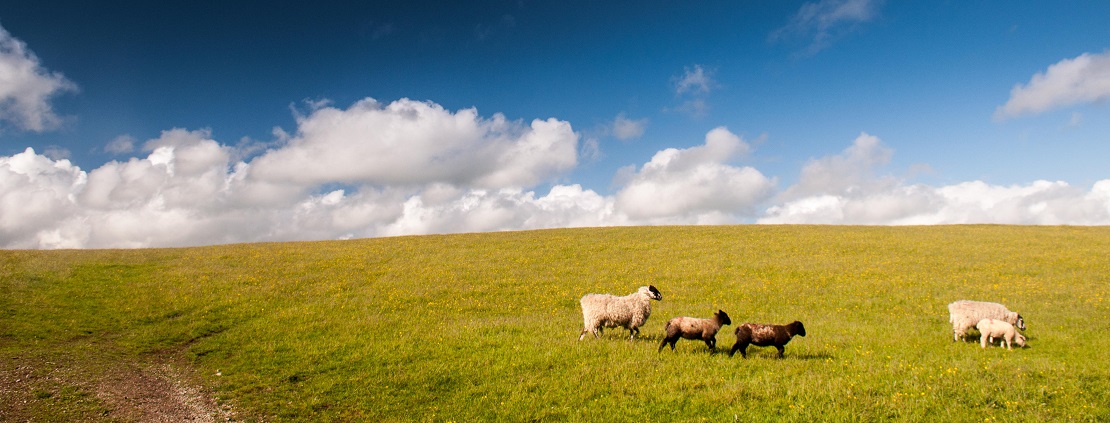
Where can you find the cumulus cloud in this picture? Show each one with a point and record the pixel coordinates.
(1084, 79)
(825, 20)
(411, 142)
(452, 172)
(186, 188)
(695, 185)
(852, 169)
(844, 189)
(37, 193)
(26, 87)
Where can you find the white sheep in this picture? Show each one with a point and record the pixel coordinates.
(966, 314)
(992, 328)
(610, 311)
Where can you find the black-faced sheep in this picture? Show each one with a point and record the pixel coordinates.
(992, 328)
(610, 311)
(765, 335)
(694, 328)
(966, 314)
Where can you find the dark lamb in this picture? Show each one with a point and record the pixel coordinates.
(764, 336)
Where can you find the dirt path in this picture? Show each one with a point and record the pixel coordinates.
(44, 390)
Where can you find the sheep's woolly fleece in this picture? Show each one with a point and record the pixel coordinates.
(605, 310)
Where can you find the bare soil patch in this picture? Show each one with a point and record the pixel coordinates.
(35, 389)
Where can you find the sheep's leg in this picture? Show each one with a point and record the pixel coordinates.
(634, 332)
(983, 340)
(664, 343)
(743, 348)
(781, 349)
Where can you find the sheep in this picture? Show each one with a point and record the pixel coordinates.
(629, 311)
(694, 328)
(966, 314)
(765, 335)
(992, 328)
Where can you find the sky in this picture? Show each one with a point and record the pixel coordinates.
(134, 125)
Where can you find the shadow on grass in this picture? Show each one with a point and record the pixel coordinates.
(773, 355)
(810, 356)
(623, 336)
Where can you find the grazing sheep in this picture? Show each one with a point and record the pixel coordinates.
(992, 328)
(765, 335)
(694, 328)
(610, 311)
(966, 314)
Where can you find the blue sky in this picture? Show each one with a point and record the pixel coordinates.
(206, 122)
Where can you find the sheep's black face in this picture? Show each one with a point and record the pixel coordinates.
(655, 294)
(801, 328)
(1021, 323)
(723, 318)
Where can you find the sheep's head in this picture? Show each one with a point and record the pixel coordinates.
(798, 328)
(1019, 339)
(651, 292)
(1020, 322)
(722, 317)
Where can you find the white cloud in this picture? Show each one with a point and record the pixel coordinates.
(625, 129)
(844, 189)
(1084, 79)
(26, 87)
(851, 169)
(410, 142)
(695, 183)
(35, 194)
(190, 189)
(464, 174)
(826, 20)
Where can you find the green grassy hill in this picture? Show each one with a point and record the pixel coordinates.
(484, 327)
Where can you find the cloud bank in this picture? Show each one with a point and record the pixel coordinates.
(412, 167)
(372, 169)
(26, 87)
(845, 189)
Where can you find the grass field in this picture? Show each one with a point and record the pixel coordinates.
(484, 327)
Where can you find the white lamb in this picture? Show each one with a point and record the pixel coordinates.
(610, 311)
(966, 314)
(991, 328)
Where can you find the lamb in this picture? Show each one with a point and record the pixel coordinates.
(694, 328)
(630, 311)
(992, 328)
(765, 335)
(966, 314)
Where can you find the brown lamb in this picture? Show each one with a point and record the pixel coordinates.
(762, 335)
